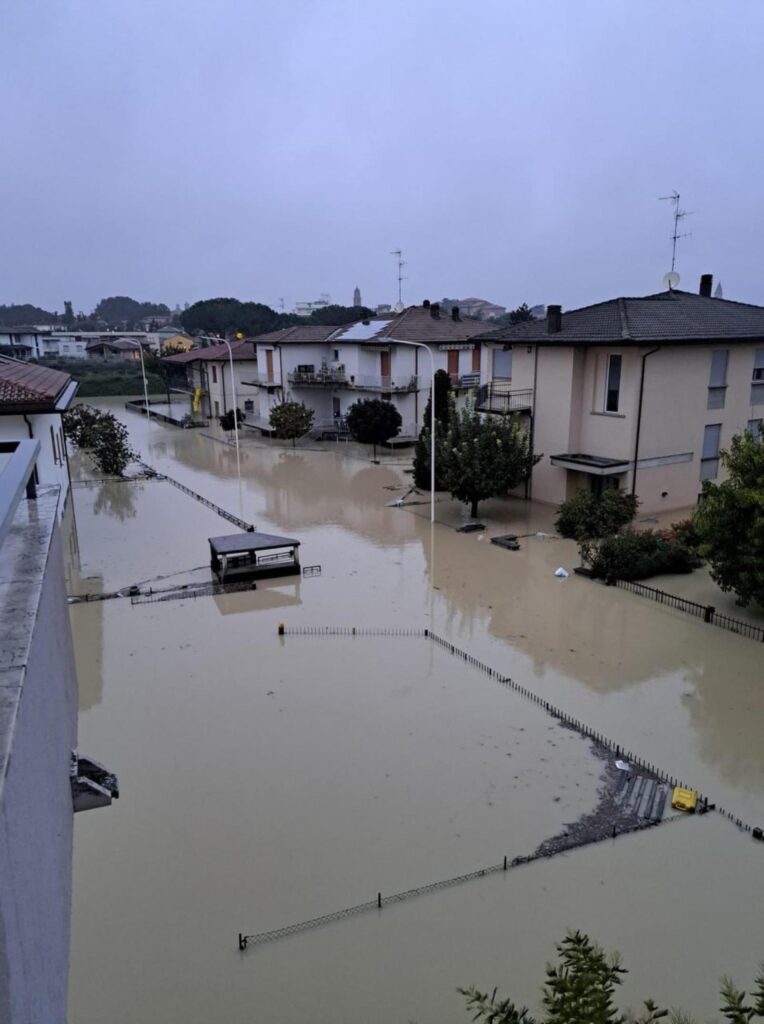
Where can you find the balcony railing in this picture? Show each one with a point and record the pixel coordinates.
(498, 396)
(318, 378)
(465, 380)
(403, 383)
(257, 380)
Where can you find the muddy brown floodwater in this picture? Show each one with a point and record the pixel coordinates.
(269, 780)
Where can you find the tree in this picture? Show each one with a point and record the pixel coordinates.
(291, 420)
(337, 315)
(516, 316)
(730, 521)
(111, 447)
(121, 310)
(581, 987)
(372, 421)
(68, 314)
(484, 458)
(79, 425)
(13, 315)
(422, 448)
(227, 316)
(588, 516)
(227, 421)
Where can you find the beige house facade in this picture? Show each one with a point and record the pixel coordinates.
(635, 393)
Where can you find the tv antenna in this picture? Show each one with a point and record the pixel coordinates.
(398, 253)
(679, 214)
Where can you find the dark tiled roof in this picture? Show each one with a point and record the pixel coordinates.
(241, 351)
(298, 334)
(672, 316)
(417, 324)
(30, 385)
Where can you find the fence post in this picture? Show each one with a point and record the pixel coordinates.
(708, 613)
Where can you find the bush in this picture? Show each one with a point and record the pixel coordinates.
(586, 516)
(636, 556)
(111, 446)
(291, 420)
(80, 423)
(227, 421)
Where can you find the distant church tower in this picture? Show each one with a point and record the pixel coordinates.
(357, 296)
(719, 294)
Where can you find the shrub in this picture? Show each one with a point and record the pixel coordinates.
(636, 556)
(291, 420)
(227, 422)
(80, 423)
(111, 447)
(586, 516)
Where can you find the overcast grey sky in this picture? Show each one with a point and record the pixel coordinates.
(175, 150)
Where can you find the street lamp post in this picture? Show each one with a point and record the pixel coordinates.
(420, 344)
(233, 390)
(145, 386)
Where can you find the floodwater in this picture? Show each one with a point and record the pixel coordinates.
(268, 780)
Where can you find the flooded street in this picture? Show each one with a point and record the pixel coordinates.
(268, 780)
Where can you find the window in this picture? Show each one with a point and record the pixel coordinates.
(217, 409)
(755, 427)
(214, 374)
(757, 381)
(502, 364)
(249, 405)
(709, 460)
(613, 383)
(54, 446)
(336, 355)
(717, 384)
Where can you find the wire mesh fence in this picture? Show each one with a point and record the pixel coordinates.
(223, 513)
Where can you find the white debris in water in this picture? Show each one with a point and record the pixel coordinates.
(561, 573)
(622, 766)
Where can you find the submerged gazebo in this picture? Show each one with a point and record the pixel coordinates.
(252, 556)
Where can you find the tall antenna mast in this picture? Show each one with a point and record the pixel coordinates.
(679, 214)
(401, 264)
(281, 303)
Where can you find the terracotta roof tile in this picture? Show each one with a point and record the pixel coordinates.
(30, 384)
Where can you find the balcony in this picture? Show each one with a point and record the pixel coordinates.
(465, 381)
(323, 378)
(261, 380)
(498, 396)
(389, 384)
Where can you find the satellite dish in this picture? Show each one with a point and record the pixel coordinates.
(671, 280)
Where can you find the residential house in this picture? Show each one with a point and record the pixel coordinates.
(637, 393)
(33, 399)
(204, 375)
(330, 368)
(481, 308)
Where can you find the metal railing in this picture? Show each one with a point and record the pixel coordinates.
(498, 396)
(318, 378)
(403, 383)
(706, 612)
(465, 380)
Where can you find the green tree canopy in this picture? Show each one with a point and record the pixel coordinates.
(13, 315)
(485, 458)
(372, 421)
(580, 989)
(291, 420)
(587, 516)
(336, 315)
(422, 448)
(120, 309)
(730, 521)
(226, 316)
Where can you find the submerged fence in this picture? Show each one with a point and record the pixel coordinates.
(706, 612)
(445, 883)
(223, 513)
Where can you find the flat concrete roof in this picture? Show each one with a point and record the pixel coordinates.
(235, 543)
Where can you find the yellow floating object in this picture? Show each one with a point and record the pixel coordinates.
(197, 399)
(684, 799)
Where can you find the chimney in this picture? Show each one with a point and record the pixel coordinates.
(553, 319)
(706, 284)
(455, 313)
(435, 310)
(426, 304)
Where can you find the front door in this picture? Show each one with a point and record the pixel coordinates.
(335, 407)
(269, 366)
(384, 367)
(453, 365)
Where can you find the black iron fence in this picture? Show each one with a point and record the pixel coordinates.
(706, 612)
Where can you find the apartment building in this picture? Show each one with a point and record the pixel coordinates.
(204, 376)
(638, 393)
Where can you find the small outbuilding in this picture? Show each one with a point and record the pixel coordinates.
(252, 556)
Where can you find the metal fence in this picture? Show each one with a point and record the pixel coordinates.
(706, 612)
